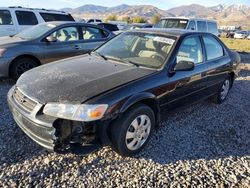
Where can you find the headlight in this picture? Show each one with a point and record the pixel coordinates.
(2, 52)
(83, 112)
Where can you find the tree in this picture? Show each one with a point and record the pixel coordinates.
(126, 19)
(139, 19)
(112, 17)
(155, 19)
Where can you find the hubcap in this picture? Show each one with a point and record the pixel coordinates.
(225, 89)
(138, 132)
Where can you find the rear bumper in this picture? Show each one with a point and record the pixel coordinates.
(41, 132)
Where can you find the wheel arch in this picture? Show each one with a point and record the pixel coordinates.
(146, 98)
(232, 76)
(22, 56)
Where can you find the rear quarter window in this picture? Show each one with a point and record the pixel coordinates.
(92, 33)
(26, 18)
(5, 18)
(49, 17)
(213, 48)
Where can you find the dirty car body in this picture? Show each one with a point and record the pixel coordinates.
(117, 85)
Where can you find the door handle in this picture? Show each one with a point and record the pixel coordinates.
(77, 47)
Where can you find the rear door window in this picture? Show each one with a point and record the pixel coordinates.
(5, 18)
(213, 48)
(26, 18)
(202, 25)
(92, 33)
(49, 17)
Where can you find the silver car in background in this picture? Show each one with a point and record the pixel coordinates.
(48, 42)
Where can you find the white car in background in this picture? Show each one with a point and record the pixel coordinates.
(248, 37)
(16, 19)
(241, 34)
(194, 24)
(94, 21)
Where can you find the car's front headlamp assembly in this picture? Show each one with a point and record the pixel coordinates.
(2, 52)
(83, 112)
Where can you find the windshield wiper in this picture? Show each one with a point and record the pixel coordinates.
(123, 60)
(130, 62)
(100, 55)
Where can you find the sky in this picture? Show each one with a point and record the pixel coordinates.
(162, 4)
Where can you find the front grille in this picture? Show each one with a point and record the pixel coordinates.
(23, 101)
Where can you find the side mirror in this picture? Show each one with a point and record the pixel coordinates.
(184, 66)
(51, 39)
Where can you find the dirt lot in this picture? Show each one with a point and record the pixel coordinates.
(242, 45)
(205, 145)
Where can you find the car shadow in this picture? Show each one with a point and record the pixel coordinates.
(200, 131)
(204, 130)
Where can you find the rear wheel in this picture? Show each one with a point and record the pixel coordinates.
(131, 132)
(222, 93)
(21, 65)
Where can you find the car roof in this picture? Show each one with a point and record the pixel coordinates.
(62, 23)
(171, 32)
(52, 11)
(186, 18)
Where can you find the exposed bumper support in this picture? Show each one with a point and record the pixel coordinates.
(46, 133)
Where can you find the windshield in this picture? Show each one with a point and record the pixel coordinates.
(35, 32)
(172, 23)
(141, 49)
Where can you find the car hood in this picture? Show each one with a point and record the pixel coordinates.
(77, 79)
(8, 41)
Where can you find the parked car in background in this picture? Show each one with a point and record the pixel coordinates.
(16, 19)
(120, 24)
(189, 24)
(241, 34)
(114, 95)
(94, 21)
(230, 34)
(134, 26)
(48, 42)
(110, 27)
(248, 37)
(137, 26)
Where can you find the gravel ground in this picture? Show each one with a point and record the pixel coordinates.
(205, 145)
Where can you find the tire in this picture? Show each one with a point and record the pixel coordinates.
(126, 139)
(223, 92)
(21, 65)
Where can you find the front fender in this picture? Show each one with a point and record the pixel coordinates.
(146, 98)
(137, 98)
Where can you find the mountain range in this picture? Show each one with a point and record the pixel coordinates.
(236, 14)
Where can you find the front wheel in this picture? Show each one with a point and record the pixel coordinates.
(131, 132)
(223, 92)
(21, 65)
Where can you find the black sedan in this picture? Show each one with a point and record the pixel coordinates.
(114, 95)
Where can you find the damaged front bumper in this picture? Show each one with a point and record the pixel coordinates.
(54, 134)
